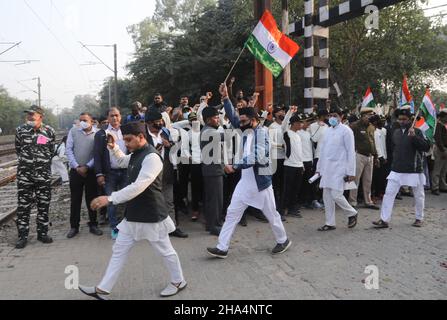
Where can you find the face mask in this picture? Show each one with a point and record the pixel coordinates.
(158, 126)
(333, 121)
(404, 124)
(246, 127)
(84, 125)
(31, 123)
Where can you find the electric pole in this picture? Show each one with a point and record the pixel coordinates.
(38, 92)
(287, 79)
(115, 70)
(116, 74)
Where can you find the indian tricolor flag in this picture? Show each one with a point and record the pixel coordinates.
(405, 95)
(428, 111)
(422, 125)
(270, 46)
(368, 99)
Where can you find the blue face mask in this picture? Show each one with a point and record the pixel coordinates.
(333, 121)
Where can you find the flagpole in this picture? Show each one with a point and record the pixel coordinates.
(231, 70)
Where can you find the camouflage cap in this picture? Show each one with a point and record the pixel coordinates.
(35, 109)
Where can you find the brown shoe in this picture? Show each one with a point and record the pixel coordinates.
(417, 223)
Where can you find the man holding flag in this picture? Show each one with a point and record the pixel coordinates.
(406, 169)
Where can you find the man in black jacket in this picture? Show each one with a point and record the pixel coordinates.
(439, 182)
(146, 216)
(407, 168)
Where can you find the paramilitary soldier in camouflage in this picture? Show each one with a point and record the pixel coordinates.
(35, 143)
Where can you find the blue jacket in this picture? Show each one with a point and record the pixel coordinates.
(259, 159)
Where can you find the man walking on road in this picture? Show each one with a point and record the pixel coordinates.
(255, 187)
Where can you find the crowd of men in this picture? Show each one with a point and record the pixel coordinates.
(361, 157)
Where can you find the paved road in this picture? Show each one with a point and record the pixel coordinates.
(412, 262)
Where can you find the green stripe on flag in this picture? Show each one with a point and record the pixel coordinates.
(263, 56)
(430, 121)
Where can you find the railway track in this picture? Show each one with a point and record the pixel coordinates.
(8, 187)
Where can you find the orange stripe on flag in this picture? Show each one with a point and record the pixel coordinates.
(420, 122)
(285, 43)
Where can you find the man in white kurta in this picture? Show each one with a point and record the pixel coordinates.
(131, 229)
(336, 166)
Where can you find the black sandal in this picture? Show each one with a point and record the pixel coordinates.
(352, 221)
(326, 228)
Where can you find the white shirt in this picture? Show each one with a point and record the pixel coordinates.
(337, 157)
(150, 169)
(296, 153)
(380, 142)
(119, 140)
(317, 132)
(306, 142)
(277, 141)
(158, 140)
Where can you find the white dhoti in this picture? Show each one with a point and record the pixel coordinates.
(246, 194)
(332, 197)
(131, 232)
(395, 181)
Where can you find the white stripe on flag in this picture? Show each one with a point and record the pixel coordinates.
(265, 39)
(367, 100)
(429, 105)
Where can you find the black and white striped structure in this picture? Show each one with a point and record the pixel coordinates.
(316, 27)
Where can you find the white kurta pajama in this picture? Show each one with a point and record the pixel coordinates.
(247, 194)
(395, 182)
(131, 232)
(337, 160)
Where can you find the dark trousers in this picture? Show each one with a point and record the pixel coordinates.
(308, 190)
(379, 181)
(189, 173)
(230, 183)
(196, 185)
(278, 181)
(293, 178)
(77, 185)
(213, 200)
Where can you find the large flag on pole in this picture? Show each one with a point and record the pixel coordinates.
(405, 95)
(428, 111)
(270, 46)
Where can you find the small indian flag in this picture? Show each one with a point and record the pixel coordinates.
(270, 46)
(422, 125)
(429, 112)
(405, 95)
(368, 99)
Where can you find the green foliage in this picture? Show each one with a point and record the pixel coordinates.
(188, 47)
(11, 115)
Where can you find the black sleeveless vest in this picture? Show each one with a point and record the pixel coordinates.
(149, 206)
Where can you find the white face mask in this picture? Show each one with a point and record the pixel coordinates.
(84, 125)
(31, 123)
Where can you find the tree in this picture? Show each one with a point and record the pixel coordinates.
(12, 113)
(126, 95)
(180, 50)
(85, 103)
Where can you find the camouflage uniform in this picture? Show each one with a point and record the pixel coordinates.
(35, 149)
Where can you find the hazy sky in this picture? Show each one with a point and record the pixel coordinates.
(50, 31)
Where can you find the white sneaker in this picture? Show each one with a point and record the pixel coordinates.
(91, 291)
(171, 289)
